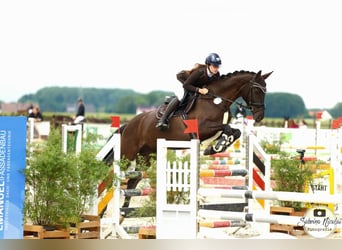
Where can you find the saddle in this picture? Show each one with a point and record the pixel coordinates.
(184, 107)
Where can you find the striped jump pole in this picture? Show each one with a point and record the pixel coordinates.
(322, 198)
(218, 186)
(222, 172)
(133, 174)
(136, 192)
(218, 166)
(250, 217)
(222, 223)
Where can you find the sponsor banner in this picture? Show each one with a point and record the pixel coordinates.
(12, 178)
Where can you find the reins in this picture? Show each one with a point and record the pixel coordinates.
(212, 95)
(250, 101)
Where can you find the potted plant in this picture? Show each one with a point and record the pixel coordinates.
(290, 175)
(60, 186)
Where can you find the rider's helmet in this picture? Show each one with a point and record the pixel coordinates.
(213, 59)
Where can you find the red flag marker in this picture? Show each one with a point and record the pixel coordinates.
(192, 127)
(115, 122)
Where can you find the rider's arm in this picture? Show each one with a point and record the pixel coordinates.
(193, 83)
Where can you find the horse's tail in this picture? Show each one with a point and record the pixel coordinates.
(121, 129)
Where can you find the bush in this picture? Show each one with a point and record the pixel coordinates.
(60, 185)
(290, 176)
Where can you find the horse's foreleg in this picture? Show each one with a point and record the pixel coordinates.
(227, 138)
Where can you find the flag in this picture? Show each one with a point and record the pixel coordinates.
(192, 127)
(319, 115)
(115, 121)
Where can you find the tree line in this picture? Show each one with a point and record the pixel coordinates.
(126, 101)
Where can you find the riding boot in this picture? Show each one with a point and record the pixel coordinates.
(163, 122)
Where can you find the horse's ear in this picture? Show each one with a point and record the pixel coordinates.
(257, 76)
(266, 75)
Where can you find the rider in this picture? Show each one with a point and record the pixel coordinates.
(194, 82)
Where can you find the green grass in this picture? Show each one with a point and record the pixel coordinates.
(105, 117)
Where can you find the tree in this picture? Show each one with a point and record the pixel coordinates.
(284, 105)
(126, 105)
(336, 111)
(56, 99)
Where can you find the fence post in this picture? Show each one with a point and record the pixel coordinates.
(78, 133)
(177, 221)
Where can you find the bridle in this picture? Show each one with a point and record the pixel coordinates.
(251, 104)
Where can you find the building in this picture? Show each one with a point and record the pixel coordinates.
(16, 108)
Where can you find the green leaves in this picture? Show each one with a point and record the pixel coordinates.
(60, 187)
(290, 176)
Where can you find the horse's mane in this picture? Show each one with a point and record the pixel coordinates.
(237, 72)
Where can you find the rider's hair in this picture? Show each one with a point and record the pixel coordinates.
(184, 74)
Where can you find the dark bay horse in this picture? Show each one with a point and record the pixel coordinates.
(139, 135)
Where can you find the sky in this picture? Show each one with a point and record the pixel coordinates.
(143, 44)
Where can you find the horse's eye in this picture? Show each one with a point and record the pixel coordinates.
(217, 100)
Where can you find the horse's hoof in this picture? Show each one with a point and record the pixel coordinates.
(223, 143)
(237, 134)
(121, 219)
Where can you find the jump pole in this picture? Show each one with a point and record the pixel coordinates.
(261, 217)
(170, 216)
(322, 198)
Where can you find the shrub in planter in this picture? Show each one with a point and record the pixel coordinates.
(60, 185)
(290, 176)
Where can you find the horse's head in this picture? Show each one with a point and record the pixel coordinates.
(254, 95)
(248, 85)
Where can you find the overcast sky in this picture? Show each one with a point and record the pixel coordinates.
(142, 44)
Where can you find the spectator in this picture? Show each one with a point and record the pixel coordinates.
(30, 108)
(240, 111)
(80, 115)
(36, 114)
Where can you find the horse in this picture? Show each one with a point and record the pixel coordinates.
(58, 120)
(139, 136)
(289, 123)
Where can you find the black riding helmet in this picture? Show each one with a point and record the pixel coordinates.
(213, 59)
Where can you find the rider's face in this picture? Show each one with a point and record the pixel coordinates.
(213, 69)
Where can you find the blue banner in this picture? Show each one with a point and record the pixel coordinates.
(12, 176)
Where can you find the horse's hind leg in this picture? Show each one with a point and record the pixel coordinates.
(227, 138)
(131, 184)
